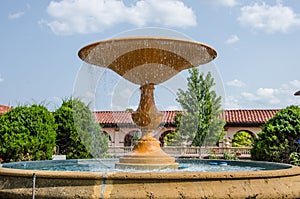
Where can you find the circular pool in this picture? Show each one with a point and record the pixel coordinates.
(108, 165)
(195, 179)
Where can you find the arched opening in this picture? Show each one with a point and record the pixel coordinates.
(166, 138)
(107, 134)
(243, 138)
(109, 138)
(131, 137)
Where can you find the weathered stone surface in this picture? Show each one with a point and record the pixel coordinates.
(284, 183)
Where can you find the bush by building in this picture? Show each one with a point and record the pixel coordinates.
(27, 133)
(279, 136)
(78, 135)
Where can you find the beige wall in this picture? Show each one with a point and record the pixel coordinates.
(118, 134)
(230, 131)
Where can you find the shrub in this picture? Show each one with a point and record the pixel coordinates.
(295, 158)
(242, 139)
(279, 136)
(27, 133)
(171, 139)
(231, 155)
(78, 135)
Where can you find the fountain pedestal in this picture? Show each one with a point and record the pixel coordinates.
(147, 153)
(147, 61)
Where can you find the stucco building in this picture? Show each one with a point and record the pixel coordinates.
(121, 129)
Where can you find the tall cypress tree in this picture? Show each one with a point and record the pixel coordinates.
(200, 124)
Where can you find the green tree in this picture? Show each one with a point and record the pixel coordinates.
(171, 139)
(27, 133)
(200, 124)
(279, 135)
(78, 135)
(242, 139)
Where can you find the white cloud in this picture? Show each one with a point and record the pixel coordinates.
(1, 79)
(229, 3)
(16, 15)
(91, 16)
(270, 19)
(232, 102)
(263, 96)
(249, 96)
(280, 97)
(235, 83)
(269, 95)
(232, 39)
(266, 92)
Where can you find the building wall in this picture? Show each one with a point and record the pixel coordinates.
(230, 131)
(118, 134)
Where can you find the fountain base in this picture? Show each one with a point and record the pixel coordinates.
(147, 155)
(275, 181)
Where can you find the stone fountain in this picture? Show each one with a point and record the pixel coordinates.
(147, 61)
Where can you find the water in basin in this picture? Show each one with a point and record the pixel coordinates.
(108, 165)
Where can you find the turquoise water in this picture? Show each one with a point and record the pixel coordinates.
(107, 165)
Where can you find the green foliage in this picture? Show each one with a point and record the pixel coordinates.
(171, 139)
(27, 133)
(78, 135)
(242, 139)
(200, 124)
(279, 136)
(135, 138)
(174, 138)
(230, 155)
(295, 158)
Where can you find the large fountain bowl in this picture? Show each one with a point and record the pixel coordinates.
(143, 60)
(282, 182)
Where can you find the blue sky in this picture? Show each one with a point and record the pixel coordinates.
(257, 42)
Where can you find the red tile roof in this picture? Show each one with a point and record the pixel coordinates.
(4, 109)
(124, 117)
(231, 117)
(113, 117)
(169, 116)
(259, 116)
(248, 116)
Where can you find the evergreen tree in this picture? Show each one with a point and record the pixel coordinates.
(78, 135)
(279, 136)
(200, 124)
(27, 133)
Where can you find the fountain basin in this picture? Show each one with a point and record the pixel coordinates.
(280, 181)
